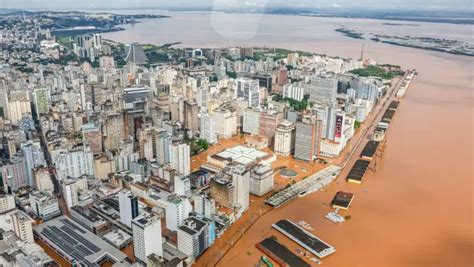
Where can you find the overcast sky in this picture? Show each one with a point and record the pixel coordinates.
(466, 5)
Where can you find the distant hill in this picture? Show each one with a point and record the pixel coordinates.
(8, 10)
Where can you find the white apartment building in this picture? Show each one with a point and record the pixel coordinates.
(208, 128)
(180, 158)
(147, 239)
(293, 91)
(128, 207)
(225, 119)
(176, 211)
(23, 226)
(73, 162)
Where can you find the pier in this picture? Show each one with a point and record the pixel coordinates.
(305, 186)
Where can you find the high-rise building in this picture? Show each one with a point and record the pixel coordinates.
(177, 210)
(135, 54)
(43, 180)
(34, 158)
(285, 138)
(204, 205)
(182, 185)
(251, 121)
(7, 202)
(14, 174)
(23, 226)
(222, 191)
(269, 120)
(208, 128)
(180, 158)
(147, 239)
(73, 162)
(307, 138)
(264, 80)
(283, 76)
(97, 40)
(323, 90)
(42, 100)
(18, 106)
(128, 207)
(93, 137)
(249, 90)
(191, 110)
(194, 236)
(155, 144)
(261, 180)
(293, 91)
(225, 119)
(240, 180)
(71, 188)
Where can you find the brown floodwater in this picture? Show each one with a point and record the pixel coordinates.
(416, 209)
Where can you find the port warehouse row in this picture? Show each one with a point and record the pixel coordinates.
(305, 239)
(280, 254)
(358, 171)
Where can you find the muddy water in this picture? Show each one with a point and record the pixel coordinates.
(416, 208)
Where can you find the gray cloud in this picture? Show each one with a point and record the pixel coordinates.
(465, 5)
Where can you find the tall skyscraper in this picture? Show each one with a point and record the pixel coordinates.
(251, 121)
(134, 53)
(240, 180)
(208, 128)
(34, 158)
(249, 90)
(194, 236)
(147, 239)
(177, 210)
(225, 119)
(307, 138)
(42, 100)
(128, 207)
(14, 174)
(293, 91)
(191, 110)
(180, 158)
(73, 162)
(285, 138)
(323, 90)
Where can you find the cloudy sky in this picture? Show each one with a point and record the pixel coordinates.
(375, 4)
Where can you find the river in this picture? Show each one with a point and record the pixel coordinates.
(416, 209)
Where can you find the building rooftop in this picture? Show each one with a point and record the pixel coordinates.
(242, 155)
(76, 244)
(145, 219)
(192, 225)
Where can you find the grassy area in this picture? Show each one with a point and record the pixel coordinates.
(375, 71)
(297, 105)
(66, 41)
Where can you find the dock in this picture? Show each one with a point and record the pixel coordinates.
(305, 186)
